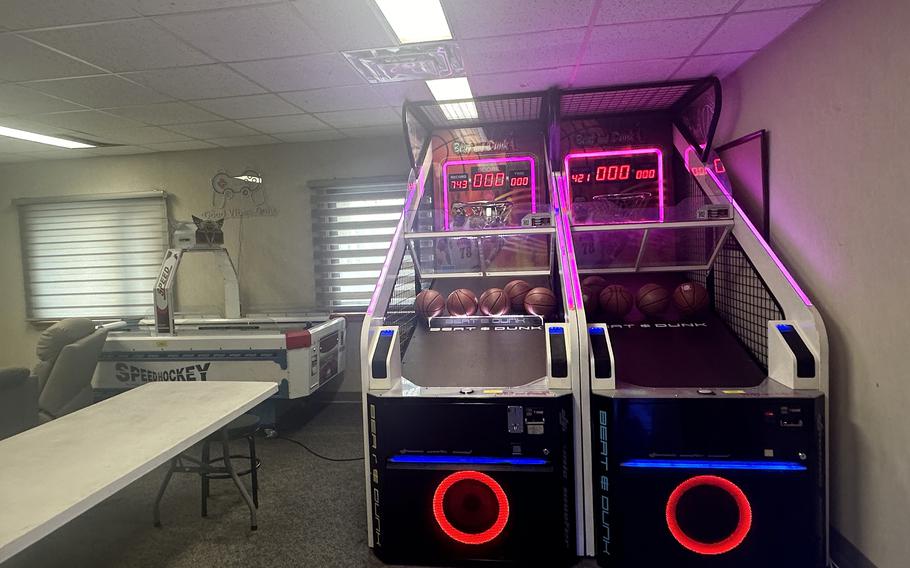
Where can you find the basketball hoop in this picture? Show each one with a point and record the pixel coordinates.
(482, 214)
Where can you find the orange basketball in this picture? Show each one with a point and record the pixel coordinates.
(590, 298)
(652, 299)
(690, 298)
(462, 302)
(540, 302)
(516, 290)
(429, 303)
(596, 283)
(615, 301)
(494, 302)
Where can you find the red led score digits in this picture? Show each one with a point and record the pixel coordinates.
(614, 173)
(491, 179)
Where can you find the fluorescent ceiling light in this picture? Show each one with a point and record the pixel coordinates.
(416, 21)
(455, 89)
(41, 138)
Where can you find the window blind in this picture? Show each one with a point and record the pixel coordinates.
(93, 257)
(353, 224)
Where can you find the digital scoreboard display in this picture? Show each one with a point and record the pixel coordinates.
(613, 170)
(618, 180)
(486, 175)
(507, 180)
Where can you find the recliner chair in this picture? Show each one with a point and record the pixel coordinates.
(68, 352)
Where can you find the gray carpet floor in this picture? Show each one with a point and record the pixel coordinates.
(311, 512)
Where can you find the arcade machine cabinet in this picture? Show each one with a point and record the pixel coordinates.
(707, 426)
(469, 418)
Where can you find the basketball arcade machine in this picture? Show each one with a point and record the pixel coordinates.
(707, 428)
(470, 420)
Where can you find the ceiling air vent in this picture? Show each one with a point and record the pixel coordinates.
(408, 62)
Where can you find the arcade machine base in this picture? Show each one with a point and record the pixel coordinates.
(704, 478)
(461, 479)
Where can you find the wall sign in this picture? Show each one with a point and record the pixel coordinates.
(240, 195)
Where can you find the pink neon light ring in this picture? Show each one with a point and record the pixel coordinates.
(631, 152)
(725, 545)
(447, 527)
(445, 178)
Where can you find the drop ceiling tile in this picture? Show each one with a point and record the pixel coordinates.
(396, 93)
(123, 46)
(143, 136)
(251, 106)
(20, 100)
(360, 118)
(13, 145)
(87, 121)
(257, 140)
(32, 125)
(337, 98)
(27, 14)
(239, 34)
(23, 60)
(217, 129)
(520, 81)
(62, 154)
(310, 136)
(200, 82)
(277, 124)
(719, 65)
(300, 73)
(163, 114)
(751, 31)
(623, 11)
(159, 7)
(179, 146)
(648, 40)
(483, 18)
(372, 131)
(99, 91)
(351, 24)
(505, 54)
(624, 72)
(749, 5)
(118, 151)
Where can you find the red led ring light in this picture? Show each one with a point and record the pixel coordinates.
(463, 537)
(721, 547)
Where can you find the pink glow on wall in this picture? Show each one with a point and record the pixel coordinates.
(799, 291)
(620, 172)
(482, 161)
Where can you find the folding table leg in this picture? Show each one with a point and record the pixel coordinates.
(156, 512)
(204, 476)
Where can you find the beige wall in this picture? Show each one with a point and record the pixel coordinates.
(832, 93)
(276, 266)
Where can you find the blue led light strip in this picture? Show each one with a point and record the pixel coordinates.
(468, 460)
(702, 464)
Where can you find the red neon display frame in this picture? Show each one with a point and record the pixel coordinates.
(743, 525)
(480, 161)
(502, 518)
(613, 153)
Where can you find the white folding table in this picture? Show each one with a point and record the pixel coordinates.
(52, 473)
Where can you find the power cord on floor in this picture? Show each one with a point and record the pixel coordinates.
(317, 454)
